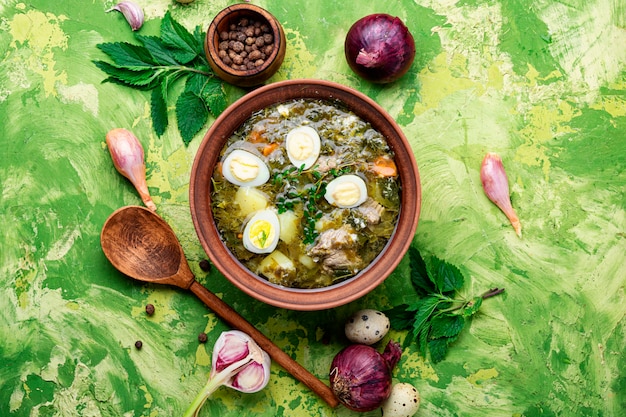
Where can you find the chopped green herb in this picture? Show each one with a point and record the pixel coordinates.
(308, 197)
(157, 64)
(436, 319)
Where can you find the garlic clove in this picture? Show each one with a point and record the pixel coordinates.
(496, 187)
(131, 11)
(128, 157)
(251, 378)
(229, 348)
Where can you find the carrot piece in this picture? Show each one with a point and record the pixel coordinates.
(256, 136)
(271, 147)
(384, 166)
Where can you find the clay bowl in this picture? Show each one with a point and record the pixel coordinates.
(232, 15)
(258, 287)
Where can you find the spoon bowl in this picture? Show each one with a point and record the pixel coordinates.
(143, 246)
(140, 244)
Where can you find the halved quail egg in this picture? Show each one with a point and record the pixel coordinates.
(346, 191)
(262, 232)
(303, 146)
(244, 168)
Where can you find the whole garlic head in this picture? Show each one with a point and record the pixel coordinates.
(367, 326)
(404, 401)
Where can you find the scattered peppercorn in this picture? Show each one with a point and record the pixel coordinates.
(138, 344)
(246, 45)
(149, 309)
(205, 265)
(202, 338)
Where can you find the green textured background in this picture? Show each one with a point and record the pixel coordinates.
(541, 83)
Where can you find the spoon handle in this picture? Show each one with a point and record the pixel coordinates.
(230, 316)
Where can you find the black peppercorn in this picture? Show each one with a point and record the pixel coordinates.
(202, 338)
(138, 344)
(149, 309)
(205, 265)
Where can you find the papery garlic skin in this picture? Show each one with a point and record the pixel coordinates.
(496, 186)
(132, 12)
(128, 157)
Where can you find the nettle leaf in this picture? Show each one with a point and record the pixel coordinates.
(438, 349)
(158, 110)
(144, 79)
(399, 317)
(446, 277)
(446, 326)
(200, 36)
(425, 308)
(214, 95)
(158, 50)
(419, 274)
(127, 55)
(182, 43)
(191, 114)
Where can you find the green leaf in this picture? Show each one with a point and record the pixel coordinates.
(214, 95)
(195, 83)
(191, 114)
(124, 54)
(446, 326)
(174, 35)
(425, 308)
(438, 349)
(446, 277)
(419, 274)
(399, 317)
(158, 50)
(158, 110)
(144, 79)
(200, 36)
(472, 306)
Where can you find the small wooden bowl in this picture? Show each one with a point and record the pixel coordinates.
(232, 15)
(200, 189)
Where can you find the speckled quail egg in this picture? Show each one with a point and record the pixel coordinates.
(261, 232)
(244, 168)
(404, 401)
(367, 326)
(346, 191)
(303, 146)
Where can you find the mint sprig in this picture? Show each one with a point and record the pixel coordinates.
(157, 64)
(435, 320)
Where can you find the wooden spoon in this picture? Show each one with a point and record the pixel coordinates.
(143, 246)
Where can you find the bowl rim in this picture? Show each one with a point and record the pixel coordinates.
(258, 287)
(212, 34)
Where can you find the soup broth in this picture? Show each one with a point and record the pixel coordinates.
(306, 194)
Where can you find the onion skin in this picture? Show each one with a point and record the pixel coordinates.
(360, 376)
(379, 48)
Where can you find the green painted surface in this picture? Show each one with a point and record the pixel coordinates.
(541, 83)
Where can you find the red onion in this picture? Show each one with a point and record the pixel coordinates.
(379, 48)
(360, 376)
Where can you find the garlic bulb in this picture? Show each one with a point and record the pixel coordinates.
(128, 158)
(496, 186)
(131, 11)
(237, 362)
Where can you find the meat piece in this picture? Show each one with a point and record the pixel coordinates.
(334, 250)
(327, 162)
(371, 211)
(331, 240)
(342, 260)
